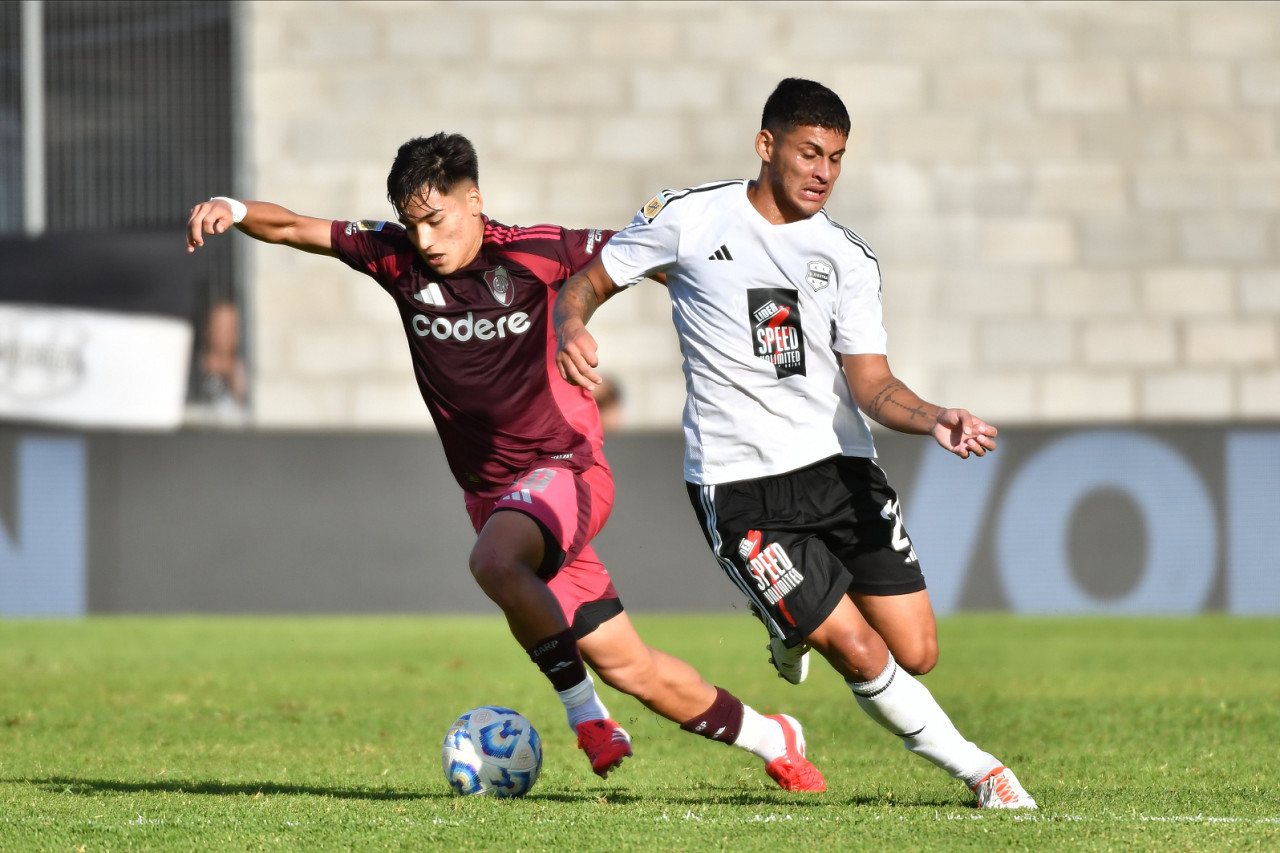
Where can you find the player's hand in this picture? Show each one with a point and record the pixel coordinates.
(207, 217)
(576, 357)
(963, 433)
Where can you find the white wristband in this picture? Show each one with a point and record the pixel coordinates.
(238, 209)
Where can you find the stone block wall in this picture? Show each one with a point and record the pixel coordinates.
(1074, 204)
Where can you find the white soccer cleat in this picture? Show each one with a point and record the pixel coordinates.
(791, 663)
(999, 789)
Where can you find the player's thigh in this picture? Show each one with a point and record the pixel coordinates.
(907, 624)
(507, 540)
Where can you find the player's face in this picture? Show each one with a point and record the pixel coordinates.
(445, 228)
(801, 168)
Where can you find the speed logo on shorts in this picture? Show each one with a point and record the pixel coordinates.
(770, 565)
(775, 328)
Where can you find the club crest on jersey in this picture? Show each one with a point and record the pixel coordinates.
(499, 282)
(770, 565)
(819, 275)
(775, 326)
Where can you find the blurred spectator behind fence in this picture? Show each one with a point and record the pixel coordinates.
(221, 388)
(609, 401)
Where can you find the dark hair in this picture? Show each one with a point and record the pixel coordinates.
(436, 162)
(803, 103)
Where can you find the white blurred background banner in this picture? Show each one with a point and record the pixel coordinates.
(86, 368)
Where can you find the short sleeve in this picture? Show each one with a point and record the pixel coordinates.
(372, 247)
(582, 245)
(860, 312)
(650, 244)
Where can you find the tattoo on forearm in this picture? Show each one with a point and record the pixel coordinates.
(577, 299)
(886, 397)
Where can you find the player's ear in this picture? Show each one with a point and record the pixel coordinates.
(475, 202)
(764, 144)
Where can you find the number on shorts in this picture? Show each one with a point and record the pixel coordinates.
(892, 511)
(536, 480)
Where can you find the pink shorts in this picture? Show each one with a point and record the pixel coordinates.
(574, 508)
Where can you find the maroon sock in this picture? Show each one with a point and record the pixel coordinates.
(559, 659)
(722, 721)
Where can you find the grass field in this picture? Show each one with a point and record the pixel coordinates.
(324, 733)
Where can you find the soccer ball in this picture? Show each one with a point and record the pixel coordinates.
(492, 750)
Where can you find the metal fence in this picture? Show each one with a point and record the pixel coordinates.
(138, 123)
(11, 185)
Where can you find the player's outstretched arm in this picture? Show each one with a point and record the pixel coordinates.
(889, 402)
(263, 221)
(578, 299)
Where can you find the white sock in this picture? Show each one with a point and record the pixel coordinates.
(905, 707)
(582, 704)
(761, 736)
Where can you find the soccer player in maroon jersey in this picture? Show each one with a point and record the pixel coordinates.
(475, 302)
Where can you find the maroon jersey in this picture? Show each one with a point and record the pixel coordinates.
(483, 345)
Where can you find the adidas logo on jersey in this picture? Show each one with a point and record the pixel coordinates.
(721, 254)
(430, 295)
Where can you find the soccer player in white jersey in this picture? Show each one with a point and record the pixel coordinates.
(778, 311)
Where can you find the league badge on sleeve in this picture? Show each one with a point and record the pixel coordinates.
(651, 209)
(365, 225)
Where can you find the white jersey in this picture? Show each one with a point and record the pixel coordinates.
(763, 312)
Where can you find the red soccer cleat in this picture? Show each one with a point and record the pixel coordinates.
(793, 771)
(605, 742)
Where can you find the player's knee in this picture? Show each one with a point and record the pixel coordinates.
(494, 574)
(919, 657)
(854, 655)
(919, 664)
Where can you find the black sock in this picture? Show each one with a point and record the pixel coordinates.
(559, 659)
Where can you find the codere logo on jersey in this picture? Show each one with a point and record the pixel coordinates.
(775, 326)
(774, 573)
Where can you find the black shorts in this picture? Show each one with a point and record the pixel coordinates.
(795, 543)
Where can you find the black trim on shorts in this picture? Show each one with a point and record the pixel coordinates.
(552, 554)
(592, 614)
